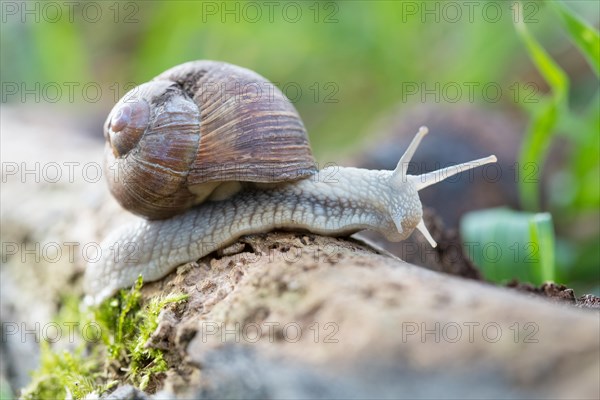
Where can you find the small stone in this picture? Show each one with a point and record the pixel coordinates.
(235, 248)
(127, 392)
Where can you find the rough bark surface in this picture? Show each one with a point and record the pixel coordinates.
(294, 315)
(342, 312)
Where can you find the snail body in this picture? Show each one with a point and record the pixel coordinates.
(193, 212)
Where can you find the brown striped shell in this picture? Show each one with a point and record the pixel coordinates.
(171, 142)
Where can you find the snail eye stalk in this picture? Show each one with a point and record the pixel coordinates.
(433, 177)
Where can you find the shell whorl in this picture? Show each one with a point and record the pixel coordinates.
(172, 141)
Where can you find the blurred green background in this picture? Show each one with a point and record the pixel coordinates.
(343, 64)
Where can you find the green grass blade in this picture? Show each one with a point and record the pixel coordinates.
(542, 233)
(550, 70)
(533, 149)
(537, 138)
(585, 36)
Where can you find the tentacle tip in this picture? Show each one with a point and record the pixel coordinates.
(423, 229)
(493, 158)
(402, 166)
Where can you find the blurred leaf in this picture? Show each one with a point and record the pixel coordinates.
(537, 139)
(586, 160)
(508, 244)
(533, 149)
(542, 232)
(586, 37)
(551, 71)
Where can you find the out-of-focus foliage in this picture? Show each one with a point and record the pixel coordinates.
(538, 138)
(524, 242)
(585, 36)
(579, 182)
(341, 63)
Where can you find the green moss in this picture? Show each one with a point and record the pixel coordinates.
(62, 371)
(115, 352)
(129, 327)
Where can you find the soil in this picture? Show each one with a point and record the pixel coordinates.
(557, 293)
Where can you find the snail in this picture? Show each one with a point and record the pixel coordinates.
(208, 152)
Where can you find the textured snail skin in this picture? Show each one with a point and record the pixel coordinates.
(336, 201)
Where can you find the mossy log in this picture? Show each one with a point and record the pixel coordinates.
(289, 314)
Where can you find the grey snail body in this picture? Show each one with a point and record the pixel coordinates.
(193, 205)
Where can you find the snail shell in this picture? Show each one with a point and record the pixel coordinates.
(194, 132)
